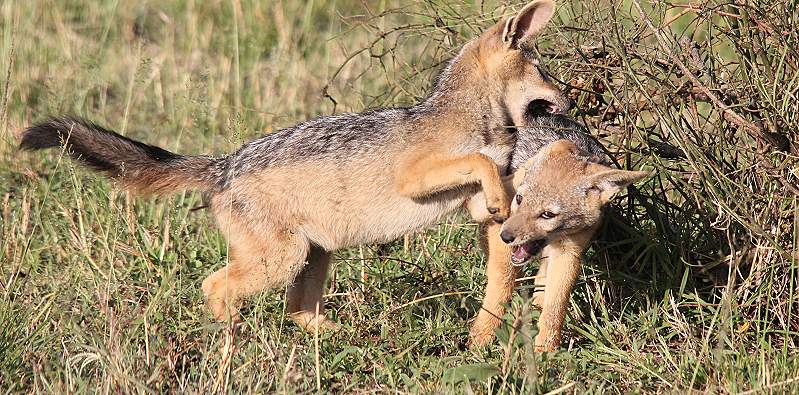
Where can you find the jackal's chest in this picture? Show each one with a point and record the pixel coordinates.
(500, 154)
(498, 149)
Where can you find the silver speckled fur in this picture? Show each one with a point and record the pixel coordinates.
(342, 136)
(545, 130)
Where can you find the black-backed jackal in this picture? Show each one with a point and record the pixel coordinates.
(287, 200)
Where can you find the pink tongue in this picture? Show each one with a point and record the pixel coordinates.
(520, 253)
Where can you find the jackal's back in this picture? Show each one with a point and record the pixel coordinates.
(543, 131)
(336, 138)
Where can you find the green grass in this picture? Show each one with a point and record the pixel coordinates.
(690, 287)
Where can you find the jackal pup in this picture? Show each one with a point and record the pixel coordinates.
(287, 200)
(560, 182)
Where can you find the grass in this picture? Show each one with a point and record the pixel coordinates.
(690, 288)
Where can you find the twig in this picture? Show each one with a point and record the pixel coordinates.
(561, 389)
(441, 295)
(4, 103)
(728, 113)
(289, 363)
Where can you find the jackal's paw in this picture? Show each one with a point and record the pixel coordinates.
(219, 300)
(547, 341)
(495, 216)
(482, 332)
(310, 322)
(498, 218)
(223, 311)
(480, 339)
(499, 212)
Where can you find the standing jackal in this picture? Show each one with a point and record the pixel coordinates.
(285, 201)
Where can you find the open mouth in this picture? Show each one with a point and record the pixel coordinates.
(524, 252)
(542, 107)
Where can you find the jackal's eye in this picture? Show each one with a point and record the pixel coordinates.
(548, 215)
(519, 199)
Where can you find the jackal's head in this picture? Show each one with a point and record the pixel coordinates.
(559, 194)
(512, 79)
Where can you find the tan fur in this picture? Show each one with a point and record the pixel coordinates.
(501, 276)
(554, 178)
(154, 181)
(557, 275)
(270, 253)
(433, 173)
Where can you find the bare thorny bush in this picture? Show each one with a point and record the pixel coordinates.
(705, 93)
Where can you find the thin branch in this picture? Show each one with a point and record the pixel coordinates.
(728, 113)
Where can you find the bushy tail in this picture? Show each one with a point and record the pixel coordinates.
(141, 167)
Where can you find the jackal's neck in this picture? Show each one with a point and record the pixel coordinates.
(462, 90)
(459, 84)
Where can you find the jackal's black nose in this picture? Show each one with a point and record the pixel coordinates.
(507, 237)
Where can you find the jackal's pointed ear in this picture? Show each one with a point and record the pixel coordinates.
(520, 29)
(612, 181)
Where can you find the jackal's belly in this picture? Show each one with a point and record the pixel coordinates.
(381, 219)
(333, 206)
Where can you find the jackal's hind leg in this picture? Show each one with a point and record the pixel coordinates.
(256, 263)
(304, 296)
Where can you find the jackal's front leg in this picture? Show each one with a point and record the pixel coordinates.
(501, 276)
(428, 175)
(564, 259)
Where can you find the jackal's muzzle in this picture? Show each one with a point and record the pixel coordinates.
(522, 253)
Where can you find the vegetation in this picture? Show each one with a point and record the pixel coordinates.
(691, 287)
